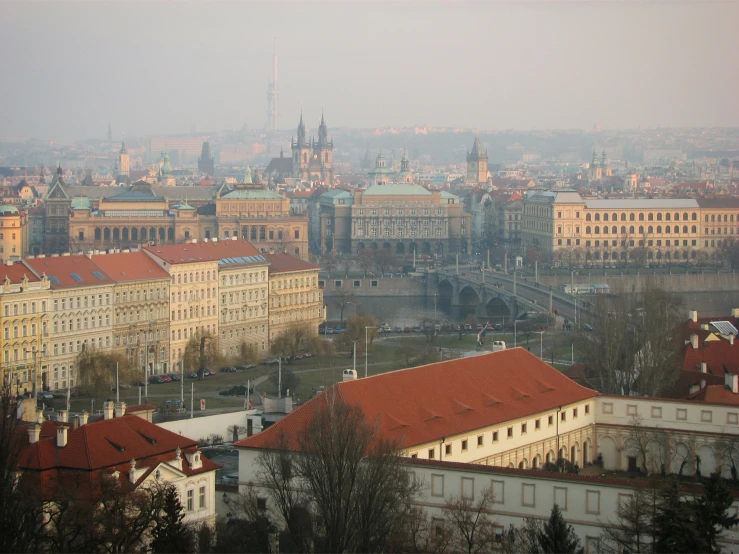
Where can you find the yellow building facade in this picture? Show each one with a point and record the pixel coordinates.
(13, 233)
(24, 298)
(295, 297)
(193, 293)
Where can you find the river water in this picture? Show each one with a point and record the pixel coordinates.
(408, 311)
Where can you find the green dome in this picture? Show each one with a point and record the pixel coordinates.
(8, 210)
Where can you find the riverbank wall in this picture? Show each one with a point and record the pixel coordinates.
(707, 282)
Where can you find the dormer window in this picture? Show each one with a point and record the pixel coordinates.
(158, 475)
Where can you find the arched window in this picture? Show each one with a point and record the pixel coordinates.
(614, 230)
(597, 217)
(631, 217)
(124, 233)
(597, 230)
(650, 217)
(667, 229)
(677, 216)
(631, 228)
(650, 229)
(641, 229)
(667, 216)
(677, 229)
(659, 217)
(143, 233)
(134, 233)
(587, 230)
(623, 217)
(685, 228)
(693, 229)
(641, 217)
(605, 229)
(695, 217)
(97, 233)
(659, 229)
(685, 216)
(116, 234)
(605, 217)
(587, 217)
(623, 229)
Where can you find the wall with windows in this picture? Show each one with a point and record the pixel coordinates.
(244, 307)
(294, 299)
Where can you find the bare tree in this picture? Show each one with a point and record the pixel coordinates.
(345, 263)
(328, 262)
(365, 259)
(385, 260)
(297, 339)
(727, 451)
(355, 332)
(418, 533)
(471, 525)
(343, 299)
(355, 480)
(96, 370)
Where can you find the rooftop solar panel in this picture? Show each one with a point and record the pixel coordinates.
(724, 327)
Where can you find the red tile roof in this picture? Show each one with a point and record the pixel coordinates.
(102, 444)
(203, 251)
(129, 266)
(16, 272)
(689, 379)
(715, 394)
(423, 404)
(721, 357)
(282, 263)
(61, 269)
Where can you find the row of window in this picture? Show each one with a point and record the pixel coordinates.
(256, 277)
(480, 440)
(305, 281)
(194, 312)
(231, 315)
(195, 277)
(186, 333)
(193, 296)
(81, 323)
(650, 229)
(80, 346)
(81, 301)
(295, 315)
(23, 330)
(681, 414)
(190, 504)
(400, 211)
(233, 298)
(632, 216)
(140, 294)
(400, 232)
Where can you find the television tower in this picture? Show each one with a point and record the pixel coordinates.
(273, 93)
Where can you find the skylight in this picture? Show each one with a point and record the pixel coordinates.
(76, 277)
(54, 280)
(98, 275)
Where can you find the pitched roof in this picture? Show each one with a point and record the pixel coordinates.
(283, 263)
(641, 203)
(202, 251)
(423, 404)
(103, 443)
(720, 355)
(718, 203)
(397, 190)
(16, 272)
(129, 266)
(69, 271)
(715, 394)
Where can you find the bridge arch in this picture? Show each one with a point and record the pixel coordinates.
(469, 299)
(497, 308)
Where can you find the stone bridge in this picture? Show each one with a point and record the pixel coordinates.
(468, 292)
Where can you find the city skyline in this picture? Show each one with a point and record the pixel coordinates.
(162, 68)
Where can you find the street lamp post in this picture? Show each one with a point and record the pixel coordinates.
(515, 334)
(366, 346)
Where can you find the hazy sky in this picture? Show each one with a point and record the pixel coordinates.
(161, 66)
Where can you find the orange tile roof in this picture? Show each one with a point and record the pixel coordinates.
(715, 394)
(720, 356)
(203, 251)
(423, 404)
(129, 266)
(282, 263)
(62, 270)
(16, 272)
(102, 444)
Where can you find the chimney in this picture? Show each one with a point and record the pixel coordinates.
(704, 367)
(735, 312)
(61, 436)
(75, 422)
(703, 383)
(34, 433)
(108, 409)
(120, 409)
(693, 315)
(694, 341)
(732, 382)
(731, 340)
(83, 418)
(704, 326)
(62, 415)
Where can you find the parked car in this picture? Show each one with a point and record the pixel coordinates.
(587, 328)
(228, 369)
(398, 330)
(307, 355)
(155, 380)
(498, 327)
(417, 329)
(211, 372)
(192, 375)
(467, 327)
(165, 379)
(329, 330)
(407, 330)
(47, 395)
(172, 376)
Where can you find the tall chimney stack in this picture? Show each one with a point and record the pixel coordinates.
(61, 436)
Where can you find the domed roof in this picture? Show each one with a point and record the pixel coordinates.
(7, 209)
